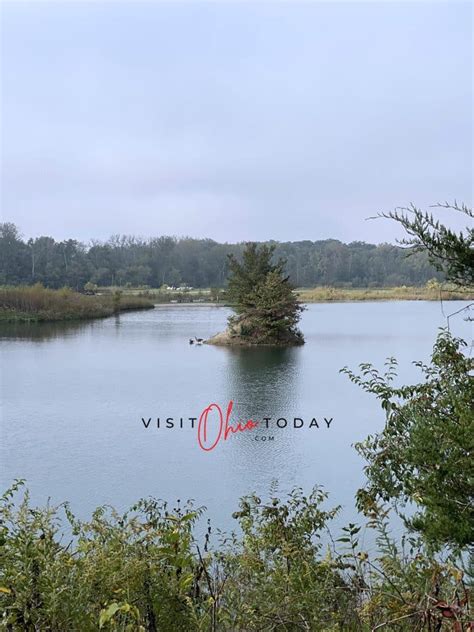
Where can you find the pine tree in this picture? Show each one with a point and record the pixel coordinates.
(448, 251)
(268, 310)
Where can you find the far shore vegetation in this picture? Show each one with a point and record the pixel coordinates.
(103, 278)
(433, 290)
(129, 261)
(37, 303)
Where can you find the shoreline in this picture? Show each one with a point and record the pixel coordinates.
(336, 300)
(27, 304)
(33, 304)
(8, 316)
(434, 292)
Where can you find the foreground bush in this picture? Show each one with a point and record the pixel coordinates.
(145, 571)
(423, 457)
(36, 303)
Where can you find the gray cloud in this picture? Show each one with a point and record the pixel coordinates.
(233, 121)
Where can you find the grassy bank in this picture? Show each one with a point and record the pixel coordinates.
(164, 296)
(428, 292)
(432, 291)
(36, 303)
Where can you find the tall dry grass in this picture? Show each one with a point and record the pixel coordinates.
(37, 303)
(429, 292)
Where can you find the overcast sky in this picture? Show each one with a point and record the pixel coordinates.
(233, 121)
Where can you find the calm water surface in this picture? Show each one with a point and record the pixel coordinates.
(74, 397)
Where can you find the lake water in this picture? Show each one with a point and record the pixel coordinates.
(74, 397)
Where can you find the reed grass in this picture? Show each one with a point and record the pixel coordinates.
(429, 292)
(37, 303)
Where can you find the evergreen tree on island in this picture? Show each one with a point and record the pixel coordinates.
(267, 310)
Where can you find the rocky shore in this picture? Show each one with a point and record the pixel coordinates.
(241, 334)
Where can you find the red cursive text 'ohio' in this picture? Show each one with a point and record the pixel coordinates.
(212, 428)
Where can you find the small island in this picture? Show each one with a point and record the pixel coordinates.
(267, 310)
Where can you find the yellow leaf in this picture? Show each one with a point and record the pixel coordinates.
(7, 591)
(457, 574)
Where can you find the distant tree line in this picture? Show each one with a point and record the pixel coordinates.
(128, 260)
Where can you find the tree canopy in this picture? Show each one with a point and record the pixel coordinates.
(246, 276)
(268, 311)
(448, 251)
(126, 259)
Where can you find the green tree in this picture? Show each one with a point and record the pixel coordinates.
(423, 456)
(448, 251)
(276, 313)
(14, 260)
(90, 287)
(246, 276)
(267, 309)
